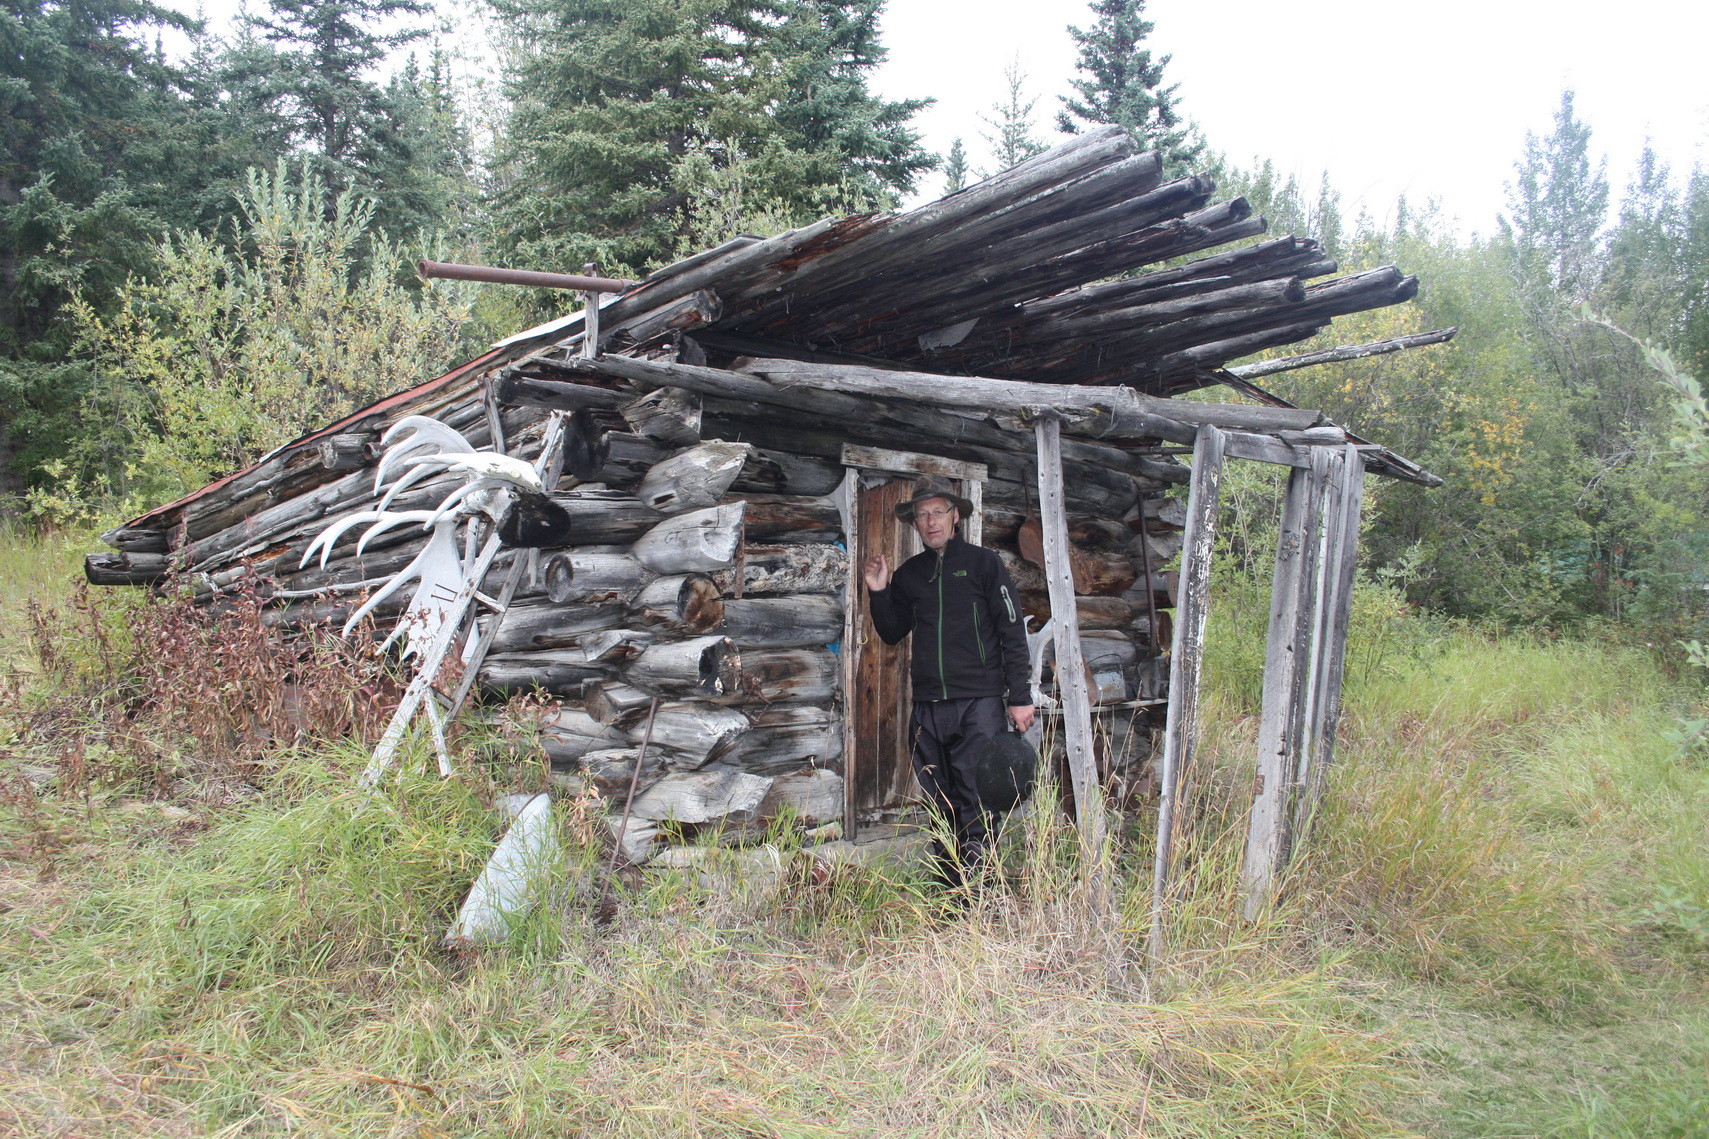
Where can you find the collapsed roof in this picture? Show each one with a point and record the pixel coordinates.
(1012, 278)
(1074, 267)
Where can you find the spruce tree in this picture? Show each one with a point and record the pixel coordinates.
(955, 167)
(309, 67)
(1121, 83)
(1012, 138)
(632, 120)
(826, 50)
(91, 170)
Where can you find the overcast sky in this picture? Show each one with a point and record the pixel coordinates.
(1429, 100)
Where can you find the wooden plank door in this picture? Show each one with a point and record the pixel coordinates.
(879, 768)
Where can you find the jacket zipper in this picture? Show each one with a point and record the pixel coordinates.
(1008, 603)
(978, 634)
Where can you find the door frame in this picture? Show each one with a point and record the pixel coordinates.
(857, 459)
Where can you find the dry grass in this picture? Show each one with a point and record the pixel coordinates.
(1485, 900)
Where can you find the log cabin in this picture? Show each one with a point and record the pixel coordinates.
(726, 441)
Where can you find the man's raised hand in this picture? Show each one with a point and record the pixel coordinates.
(876, 572)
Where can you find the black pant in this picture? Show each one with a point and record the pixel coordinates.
(948, 738)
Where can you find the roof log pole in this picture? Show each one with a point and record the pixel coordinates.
(1186, 659)
(1342, 354)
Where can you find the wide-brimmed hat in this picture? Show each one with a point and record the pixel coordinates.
(933, 487)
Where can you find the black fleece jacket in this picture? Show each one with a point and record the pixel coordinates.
(964, 612)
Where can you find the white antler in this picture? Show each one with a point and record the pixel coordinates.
(412, 435)
(439, 571)
(417, 449)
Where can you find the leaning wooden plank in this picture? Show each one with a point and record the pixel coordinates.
(1186, 659)
(508, 886)
(1070, 664)
(1328, 716)
(432, 660)
(1286, 670)
(1330, 513)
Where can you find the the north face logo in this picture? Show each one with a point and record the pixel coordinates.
(959, 573)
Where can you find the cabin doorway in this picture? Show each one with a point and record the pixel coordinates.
(878, 771)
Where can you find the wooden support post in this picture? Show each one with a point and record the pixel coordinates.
(1070, 662)
(1288, 660)
(590, 316)
(850, 507)
(1319, 751)
(1186, 656)
(1329, 516)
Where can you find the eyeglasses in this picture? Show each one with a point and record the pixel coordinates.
(933, 515)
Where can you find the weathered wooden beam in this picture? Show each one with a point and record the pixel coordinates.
(694, 479)
(700, 666)
(670, 415)
(1287, 671)
(1107, 411)
(1342, 354)
(698, 541)
(136, 540)
(1186, 661)
(349, 451)
(124, 568)
(526, 391)
(1338, 608)
(799, 621)
(1070, 661)
(686, 603)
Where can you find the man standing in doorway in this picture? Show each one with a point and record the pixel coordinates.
(970, 666)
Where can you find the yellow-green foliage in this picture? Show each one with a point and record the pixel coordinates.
(224, 354)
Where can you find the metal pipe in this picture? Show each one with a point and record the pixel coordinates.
(523, 277)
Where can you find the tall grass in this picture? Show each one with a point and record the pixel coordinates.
(1506, 880)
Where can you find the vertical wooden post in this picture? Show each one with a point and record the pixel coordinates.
(1186, 656)
(1071, 679)
(974, 527)
(1338, 609)
(850, 492)
(1288, 664)
(590, 315)
(1329, 511)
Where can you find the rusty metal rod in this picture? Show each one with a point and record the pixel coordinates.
(523, 277)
